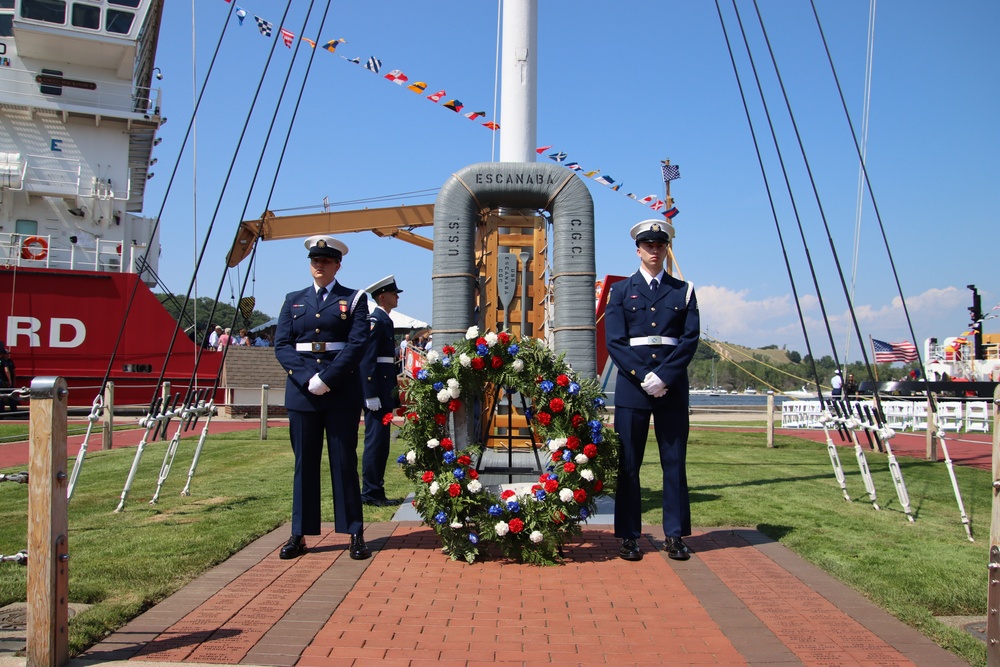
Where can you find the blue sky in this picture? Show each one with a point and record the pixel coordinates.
(620, 87)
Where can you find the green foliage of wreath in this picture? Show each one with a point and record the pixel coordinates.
(568, 417)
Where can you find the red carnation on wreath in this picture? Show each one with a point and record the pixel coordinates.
(590, 451)
(580, 496)
(448, 349)
(496, 362)
(556, 456)
(569, 466)
(506, 494)
(562, 380)
(428, 477)
(556, 405)
(386, 419)
(454, 490)
(572, 442)
(440, 419)
(544, 418)
(577, 420)
(515, 525)
(598, 485)
(454, 404)
(551, 486)
(413, 416)
(481, 341)
(503, 337)
(464, 460)
(447, 444)
(473, 474)
(478, 363)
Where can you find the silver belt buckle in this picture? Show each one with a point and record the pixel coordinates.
(655, 340)
(318, 347)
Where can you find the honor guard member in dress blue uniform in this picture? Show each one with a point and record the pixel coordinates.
(652, 327)
(378, 380)
(321, 334)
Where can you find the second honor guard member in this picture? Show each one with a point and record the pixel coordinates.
(652, 327)
(321, 335)
(378, 379)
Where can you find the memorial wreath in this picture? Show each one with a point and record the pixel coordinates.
(567, 416)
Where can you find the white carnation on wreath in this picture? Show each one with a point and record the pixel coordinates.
(587, 474)
(432, 356)
(433, 488)
(472, 333)
(444, 396)
(566, 495)
(536, 536)
(581, 459)
(411, 457)
(457, 524)
(518, 365)
(501, 528)
(465, 360)
(491, 339)
(432, 443)
(475, 486)
(555, 444)
(454, 389)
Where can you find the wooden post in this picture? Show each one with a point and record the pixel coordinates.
(108, 419)
(993, 593)
(930, 438)
(165, 392)
(263, 411)
(770, 419)
(48, 567)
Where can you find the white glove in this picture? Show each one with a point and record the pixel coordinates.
(653, 385)
(317, 386)
(373, 404)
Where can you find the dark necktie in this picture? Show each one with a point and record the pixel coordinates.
(653, 285)
(321, 294)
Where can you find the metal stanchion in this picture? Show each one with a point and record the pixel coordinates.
(263, 411)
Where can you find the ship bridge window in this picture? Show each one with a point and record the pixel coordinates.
(86, 16)
(123, 3)
(118, 22)
(6, 25)
(6, 4)
(50, 11)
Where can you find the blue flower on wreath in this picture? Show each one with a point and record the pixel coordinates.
(459, 473)
(550, 467)
(528, 414)
(441, 517)
(446, 362)
(595, 425)
(539, 494)
(482, 349)
(546, 386)
(597, 438)
(495, 510)
(573, 388)
(401, 459)
(422, 374)
(584, 513)
(598, 402)
(438, 386)
(473, 538)
(513, 349)
(449, 457)
(567, 455)
(513, 506)
(552, 475)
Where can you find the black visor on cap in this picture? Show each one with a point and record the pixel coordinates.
(650, 236)
(324, 251)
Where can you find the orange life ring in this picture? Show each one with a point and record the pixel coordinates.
(118, 248)
(34, 247)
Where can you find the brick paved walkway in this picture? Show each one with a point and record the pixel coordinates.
(743, 599)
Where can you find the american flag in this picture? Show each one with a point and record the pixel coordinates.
(886, 353)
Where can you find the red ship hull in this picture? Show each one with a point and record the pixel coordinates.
(70, 324)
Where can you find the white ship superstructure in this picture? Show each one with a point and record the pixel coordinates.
(78, 122)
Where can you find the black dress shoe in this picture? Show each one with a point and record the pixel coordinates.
(676, 549)
(359, 550)
(630, 550)
(380, 502)
(294, 547)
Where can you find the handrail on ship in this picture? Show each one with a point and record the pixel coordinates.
(107, 98)
(104, 257)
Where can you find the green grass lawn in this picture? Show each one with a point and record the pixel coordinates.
(124, 563)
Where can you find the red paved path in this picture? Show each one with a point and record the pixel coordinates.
(741, 600)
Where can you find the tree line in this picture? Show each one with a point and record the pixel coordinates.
(787, 370)
(224, 315)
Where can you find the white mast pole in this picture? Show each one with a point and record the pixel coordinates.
(519, 74)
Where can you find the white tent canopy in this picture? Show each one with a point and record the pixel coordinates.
(401, 321)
